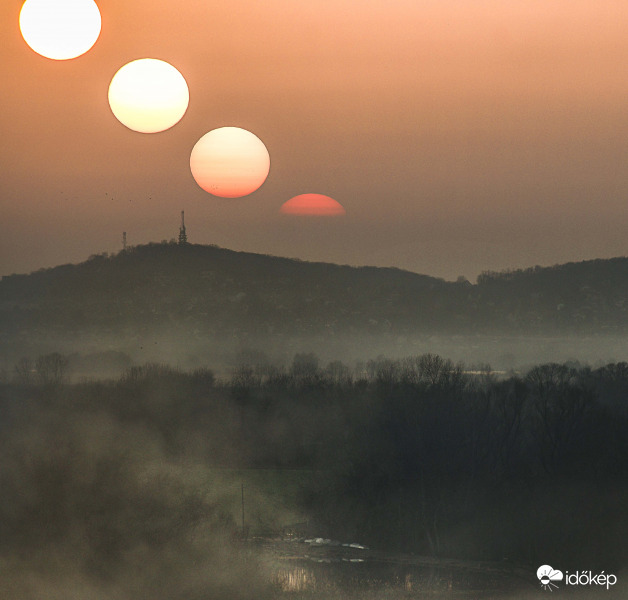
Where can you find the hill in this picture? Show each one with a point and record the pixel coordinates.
(199, 294)
(589, 297)
(208, 290)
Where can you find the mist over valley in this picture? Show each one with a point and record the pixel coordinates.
(188, 422)
(193, 305)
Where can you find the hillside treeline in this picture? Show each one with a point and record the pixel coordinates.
(196, 293)
(417, 455)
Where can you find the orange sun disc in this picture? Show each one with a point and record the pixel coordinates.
(230, 162)
(313, 205)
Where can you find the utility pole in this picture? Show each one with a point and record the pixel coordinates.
(243, 510)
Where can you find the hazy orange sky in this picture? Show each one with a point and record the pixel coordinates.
(460, 135)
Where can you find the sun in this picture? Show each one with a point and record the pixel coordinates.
(230, 162)
(314, 205)
(148, 95)
(60, 29)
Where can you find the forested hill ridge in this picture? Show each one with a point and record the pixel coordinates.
(204, 290)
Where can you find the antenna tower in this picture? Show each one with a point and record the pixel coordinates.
(124, 240)
(183, 237)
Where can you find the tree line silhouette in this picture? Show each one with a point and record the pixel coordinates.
(415, 454)
(200, 292)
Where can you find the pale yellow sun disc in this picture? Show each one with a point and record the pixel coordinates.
(230, 162)
(148, 95)
(60, 29)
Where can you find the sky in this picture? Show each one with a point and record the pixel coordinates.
(459, 135)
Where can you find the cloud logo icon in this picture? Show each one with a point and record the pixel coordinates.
(548, 576)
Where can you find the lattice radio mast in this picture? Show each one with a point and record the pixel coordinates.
(183, 236)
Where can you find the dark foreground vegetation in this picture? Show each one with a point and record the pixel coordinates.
(110, 485)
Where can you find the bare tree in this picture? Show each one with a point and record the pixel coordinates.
(52, 369)
(24, 370)
(560, 403)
